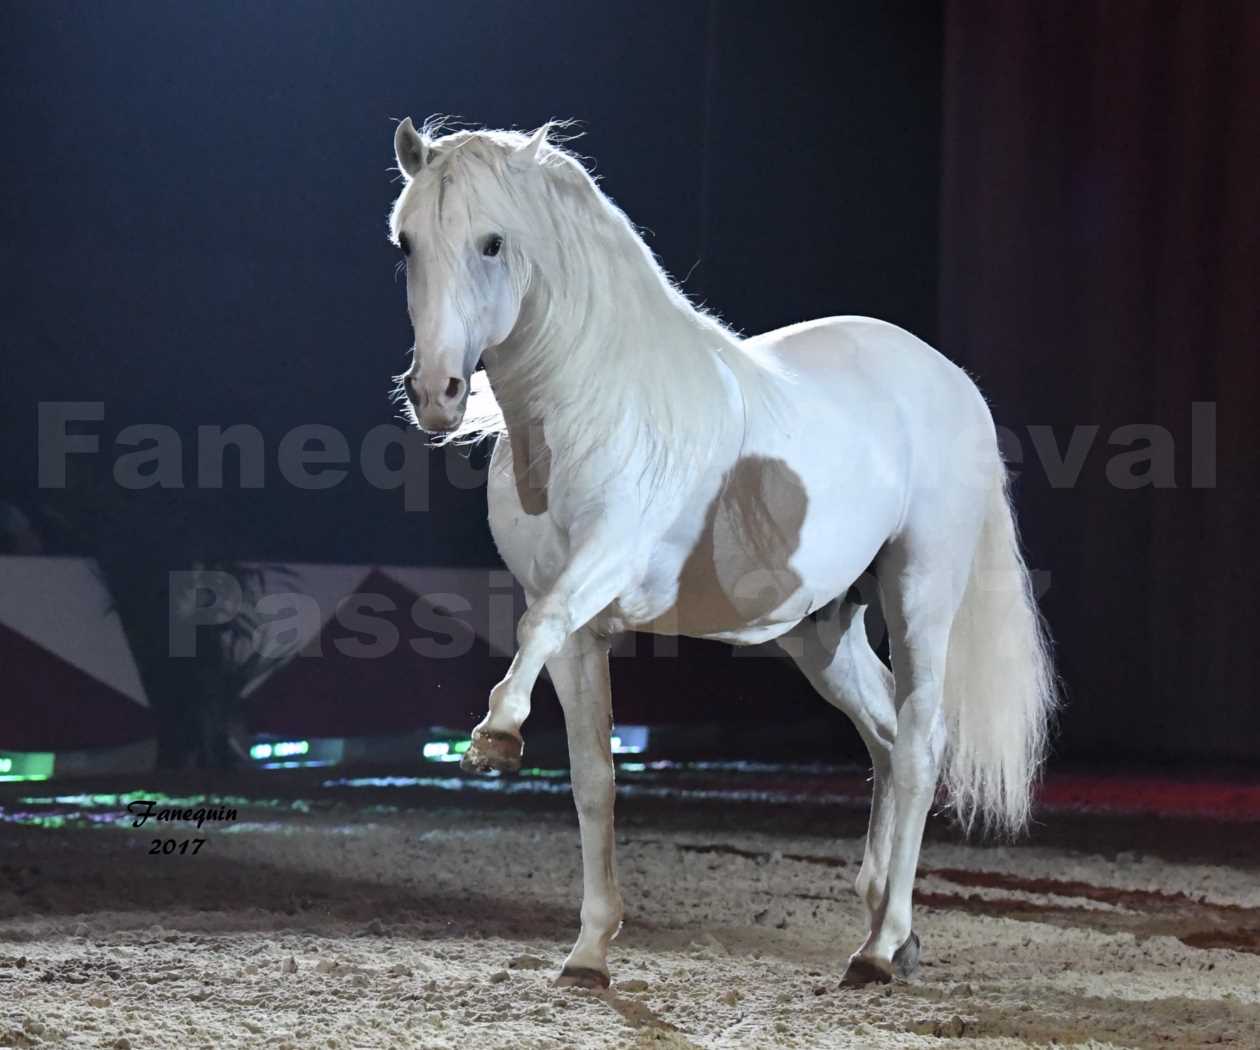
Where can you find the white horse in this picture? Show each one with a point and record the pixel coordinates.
(662, 474)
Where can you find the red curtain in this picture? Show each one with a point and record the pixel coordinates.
(1101, 267)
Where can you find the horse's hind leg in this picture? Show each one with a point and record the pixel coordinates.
(922, 589)
(837, 658)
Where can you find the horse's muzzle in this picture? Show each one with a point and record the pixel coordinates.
(439, 406)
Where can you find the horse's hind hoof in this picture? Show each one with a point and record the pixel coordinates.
(582, 977)
(863, 970)
(906, 958)
(492, 752)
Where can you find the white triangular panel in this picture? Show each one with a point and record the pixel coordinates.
(62, 605)
(492, 602)
(288, 591)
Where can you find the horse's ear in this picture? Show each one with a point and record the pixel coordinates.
(410, 148)
(532, 151)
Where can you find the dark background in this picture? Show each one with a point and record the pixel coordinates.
(1063, 198)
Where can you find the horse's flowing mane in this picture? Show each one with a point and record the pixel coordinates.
(607, 352)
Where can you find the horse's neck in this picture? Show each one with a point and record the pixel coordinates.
(632, 321)
(634, 385)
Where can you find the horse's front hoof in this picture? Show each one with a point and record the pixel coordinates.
(492, 752)
(906, 958)
(582, 977)
(863, 970)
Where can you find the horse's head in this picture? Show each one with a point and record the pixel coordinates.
(458, 229)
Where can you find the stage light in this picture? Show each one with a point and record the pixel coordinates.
(34, 765)
(288, 748)
(629, 740)
(295, 765)
(298, 754)
(445, 750)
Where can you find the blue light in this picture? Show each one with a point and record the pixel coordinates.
(629, 740)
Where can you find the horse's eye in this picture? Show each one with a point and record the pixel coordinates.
(492, 246)
(404, 244)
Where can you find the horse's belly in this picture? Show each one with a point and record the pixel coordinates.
(769, 549)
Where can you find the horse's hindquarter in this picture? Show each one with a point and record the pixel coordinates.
(889, 414)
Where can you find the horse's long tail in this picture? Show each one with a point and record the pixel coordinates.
(1000, 690)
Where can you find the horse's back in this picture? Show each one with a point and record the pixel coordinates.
(866, 355)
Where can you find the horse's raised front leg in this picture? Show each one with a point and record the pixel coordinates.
(596, 573)
(580, 674)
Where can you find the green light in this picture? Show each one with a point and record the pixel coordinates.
(34, 765)
(444, 750)
(298, 754)
(280, 749)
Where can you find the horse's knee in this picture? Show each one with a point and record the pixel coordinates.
(545, 626)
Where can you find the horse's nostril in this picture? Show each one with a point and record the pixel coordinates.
(412, 390)
(454, 389)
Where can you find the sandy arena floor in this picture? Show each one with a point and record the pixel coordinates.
(410, 917)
